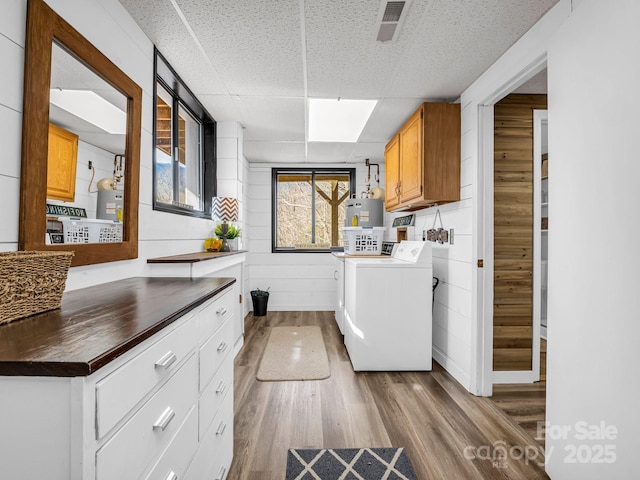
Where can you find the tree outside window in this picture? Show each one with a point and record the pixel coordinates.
(309, 208)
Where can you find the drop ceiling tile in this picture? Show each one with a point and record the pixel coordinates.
(165, 29)
(255, 45)
(222, 108)
(272, 119)
(274, 152)
(328, 152)
(458, 41)
(343, 57)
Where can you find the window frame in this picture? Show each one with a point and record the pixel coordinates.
(182, 96)
(313, 171)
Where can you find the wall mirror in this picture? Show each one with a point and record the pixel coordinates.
(80, 146)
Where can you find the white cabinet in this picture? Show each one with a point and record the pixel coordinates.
(161, 410)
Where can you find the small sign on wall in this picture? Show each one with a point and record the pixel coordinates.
(66, 211)
(405, 221)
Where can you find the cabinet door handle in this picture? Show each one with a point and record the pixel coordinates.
(222, 473)
(221, 388)
(167, 360)
(221, 311)
(222, 347)
(335, 274)
(164, 420)
(171, 476)
(221, 428)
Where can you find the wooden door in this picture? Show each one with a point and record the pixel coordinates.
(61, 164)
(392, 173)
(411, 159)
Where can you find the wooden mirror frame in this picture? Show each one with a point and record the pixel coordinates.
(43, 27)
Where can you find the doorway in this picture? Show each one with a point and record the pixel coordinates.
(516, 343)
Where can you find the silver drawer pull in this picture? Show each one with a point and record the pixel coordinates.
(221, 428)
(221, 475)
(221, 388)
(167, 360)
(222, 347)
(221, 311)
(164, 419)
(171, 476)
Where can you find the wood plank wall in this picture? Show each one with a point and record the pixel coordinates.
(513, 231)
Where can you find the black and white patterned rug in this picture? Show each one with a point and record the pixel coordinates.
(349, 464)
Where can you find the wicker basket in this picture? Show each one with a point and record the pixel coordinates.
(31, 282)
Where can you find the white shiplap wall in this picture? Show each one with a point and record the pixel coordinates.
(86, 188)
(122, 41)
(452, 311)
(297, 281)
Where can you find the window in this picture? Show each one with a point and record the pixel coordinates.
(184, 141)
(309, 208)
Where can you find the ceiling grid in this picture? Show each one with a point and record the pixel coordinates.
(258, 61)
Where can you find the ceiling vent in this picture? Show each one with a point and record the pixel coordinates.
(390, 19)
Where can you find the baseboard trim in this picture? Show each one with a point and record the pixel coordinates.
(452, 367)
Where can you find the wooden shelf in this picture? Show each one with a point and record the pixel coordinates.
(194, 257)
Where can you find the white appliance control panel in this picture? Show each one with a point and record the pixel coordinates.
(413, 252)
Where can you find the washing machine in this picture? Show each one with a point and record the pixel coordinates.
(388, 322)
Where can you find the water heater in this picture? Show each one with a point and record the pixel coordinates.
(370, 212)
(110, 204)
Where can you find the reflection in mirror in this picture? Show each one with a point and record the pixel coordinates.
(38, 187)
(85, 169)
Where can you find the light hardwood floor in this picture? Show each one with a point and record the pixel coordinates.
(526, 403)
(441, 425)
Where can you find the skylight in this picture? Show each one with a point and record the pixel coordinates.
(340, 120)
(91, 107)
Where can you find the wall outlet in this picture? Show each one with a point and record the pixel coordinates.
(90, 165)
(451, 236)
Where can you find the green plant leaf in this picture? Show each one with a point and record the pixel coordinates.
(232, 232)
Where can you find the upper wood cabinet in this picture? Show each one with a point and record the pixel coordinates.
(392, 173)
(422, 160)
(61, 164)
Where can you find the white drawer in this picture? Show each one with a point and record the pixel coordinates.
(132, 448)
(175, 459)
(121, 390)
(215, 314)
(214, 394)
(214, 351)
(216, 449)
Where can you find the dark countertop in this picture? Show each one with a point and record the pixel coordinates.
(98, 324)
(193, 257)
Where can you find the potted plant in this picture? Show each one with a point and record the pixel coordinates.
(260, 298)
(226, 232)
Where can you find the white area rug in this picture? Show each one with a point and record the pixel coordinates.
(294, 353)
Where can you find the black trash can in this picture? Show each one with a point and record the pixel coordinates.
(260, 298)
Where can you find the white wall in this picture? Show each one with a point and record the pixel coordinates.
(593, 354)
(523, 60)
(297, 281)
(109, 27)
(452, 311)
